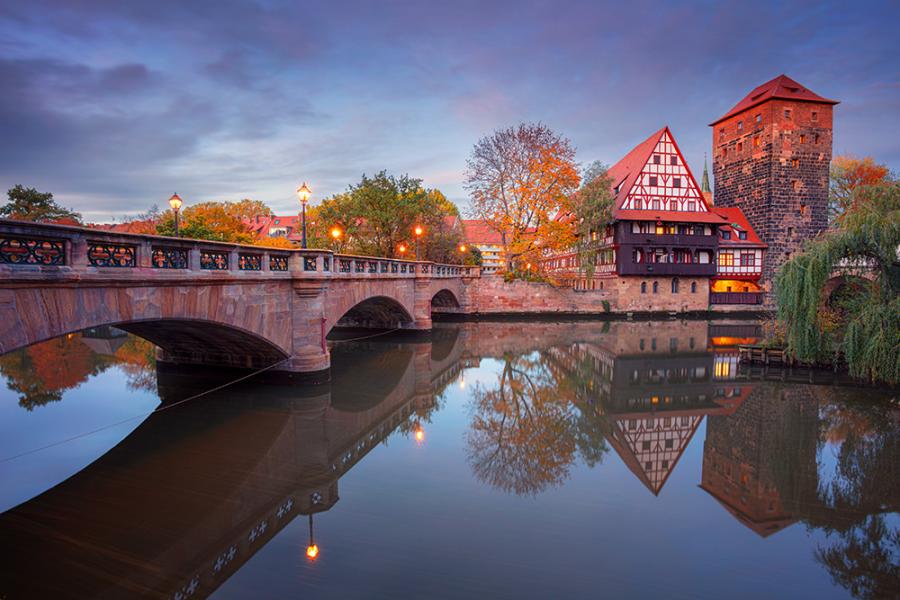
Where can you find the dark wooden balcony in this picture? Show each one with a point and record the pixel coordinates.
(679, 269)
(735, 297)
(666, 240)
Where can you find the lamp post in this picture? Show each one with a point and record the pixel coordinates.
(419, 230)
(462, 254)
(312, 550)
(175, 202)
(402, 250)
(303, 193)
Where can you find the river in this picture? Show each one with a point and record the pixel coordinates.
(541, 459)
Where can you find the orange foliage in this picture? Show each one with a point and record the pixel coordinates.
(848, 174)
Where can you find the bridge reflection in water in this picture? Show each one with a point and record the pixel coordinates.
(196, 490)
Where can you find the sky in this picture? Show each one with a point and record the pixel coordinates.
(115, 105)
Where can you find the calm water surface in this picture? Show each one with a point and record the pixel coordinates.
(491, 460)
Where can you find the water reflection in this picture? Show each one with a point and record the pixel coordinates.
(195, 491)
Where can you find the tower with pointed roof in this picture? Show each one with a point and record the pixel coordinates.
(771, 156)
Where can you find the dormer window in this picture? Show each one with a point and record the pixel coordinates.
(726, 235)
(742, 235)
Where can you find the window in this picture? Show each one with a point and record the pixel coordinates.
(643, 291)
(693, 291)
(660, 229)
(669, 443)
(642, 347)
(740, 146)
(721, 135)
(645, 445)
(795, 162)
(759, 118)
(787, 113)
(673, 344)
(653, 180)
(655, 202)
(690, 206)
(815, 116)
(656, 159)
(676, 182)
(740, 125)
(747, 259)
(726, 259)
(724, 151)
(802, 210)
(756, 141)
(795, 185)
(742, 235)
(726, 235)
(673, 160)
(790, 232)
(653, 340)
(675, 285)
(816, 139)
(655, 291)
(802, 138)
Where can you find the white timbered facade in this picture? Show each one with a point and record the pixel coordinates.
(664, 183)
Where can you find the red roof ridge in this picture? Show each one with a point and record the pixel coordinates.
(779, 87)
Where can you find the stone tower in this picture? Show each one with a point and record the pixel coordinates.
(771, 156)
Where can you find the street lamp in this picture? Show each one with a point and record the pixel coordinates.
(419, 230)
(175, 202)
(336, 234)
(303, 193)
(402, 249)
(419, 434)
(312, 550)
(462, 252)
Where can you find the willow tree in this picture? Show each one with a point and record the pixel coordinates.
(866, 243)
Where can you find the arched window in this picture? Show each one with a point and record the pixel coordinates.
(674, 285)
(643, 287)
(655, 287)
(693, 287)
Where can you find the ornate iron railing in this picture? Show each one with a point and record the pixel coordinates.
(213, 261)
(24, 251)
(250, 262)
(278, 262)
(309, 263)
(169, 258)
(111, 255)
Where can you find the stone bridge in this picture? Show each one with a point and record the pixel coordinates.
(207, 302)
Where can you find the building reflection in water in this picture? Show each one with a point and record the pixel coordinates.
(194, 492)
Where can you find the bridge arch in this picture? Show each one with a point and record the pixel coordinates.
(444, 299)
(375, 311)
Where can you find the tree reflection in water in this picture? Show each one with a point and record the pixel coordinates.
(526, 431)
(41, 373)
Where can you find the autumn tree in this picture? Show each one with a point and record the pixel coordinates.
(28, 204)
(216, 221)
(247, 209)
(847, 174)
(519, 179)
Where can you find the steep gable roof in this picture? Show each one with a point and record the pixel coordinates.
(782, 87)
(653, 181)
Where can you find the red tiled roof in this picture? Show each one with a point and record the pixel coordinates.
(142, 226)
(781, 87)
(669, 216)
(736, 221)
(477, 231)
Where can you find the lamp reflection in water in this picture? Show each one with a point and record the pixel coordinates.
(419, 433)
(312, 550)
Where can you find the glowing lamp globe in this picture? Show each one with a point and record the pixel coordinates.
(419, 230)
(312, 551)
(175, 202)
(303, 193)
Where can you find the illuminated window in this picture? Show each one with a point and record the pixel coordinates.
(726, 259)
(756, 141)
(660, 229)
(802, 139)
(795, 162)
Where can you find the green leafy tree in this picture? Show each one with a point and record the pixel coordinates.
(28, 204)
(868, 330)
(377, 216)
(590, 210)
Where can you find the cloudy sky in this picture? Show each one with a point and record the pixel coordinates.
(115, 105)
